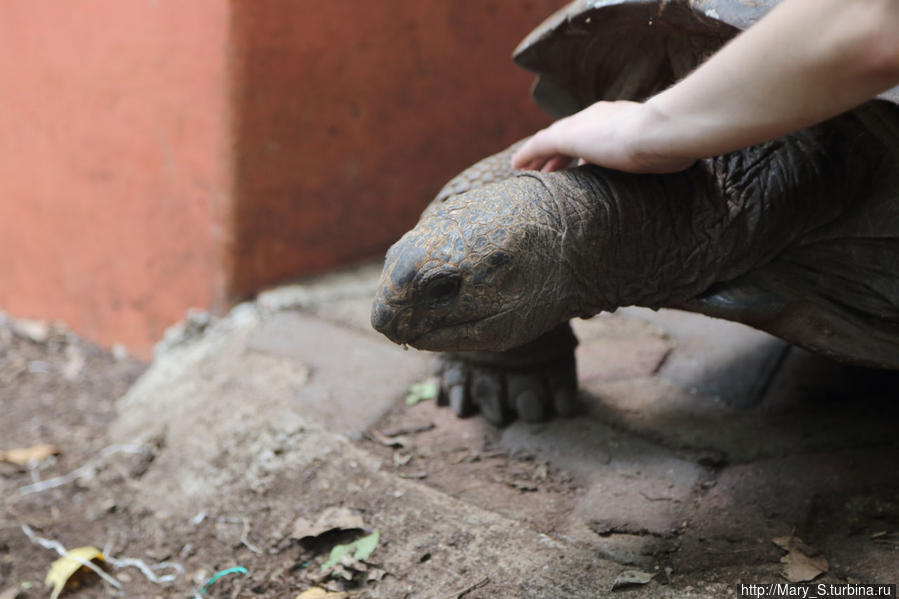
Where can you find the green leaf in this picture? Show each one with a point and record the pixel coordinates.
(363, 548)
(366, 545)
(337, 553)
(421, 391)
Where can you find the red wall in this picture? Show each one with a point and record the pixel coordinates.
(113, 178)
(353, 114)
(161, 155)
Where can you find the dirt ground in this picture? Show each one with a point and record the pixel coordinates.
(57, 389)
(464, 509)
(62, 390)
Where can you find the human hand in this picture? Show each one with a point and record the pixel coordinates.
(616, 135)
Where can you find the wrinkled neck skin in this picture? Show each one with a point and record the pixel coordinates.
(660, 240)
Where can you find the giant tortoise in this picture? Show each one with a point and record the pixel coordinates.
(798, 237)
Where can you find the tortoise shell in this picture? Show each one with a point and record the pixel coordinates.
(593, 50)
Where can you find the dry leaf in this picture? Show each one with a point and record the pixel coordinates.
(333, 517)
(409, 430)
(401, 459)
(399, 441)
(63, 568)
(886, 538)
(319, 593)
(375, 575)
(630, 578)
(799, 567)
(10, 593)
(348, 568)
(793, 543)
(351, 569)
(21, 456)
(800, 563)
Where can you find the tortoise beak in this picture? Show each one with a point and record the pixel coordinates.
(384, 320)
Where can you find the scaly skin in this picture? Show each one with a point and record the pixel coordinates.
(492, 169)
(497, 267)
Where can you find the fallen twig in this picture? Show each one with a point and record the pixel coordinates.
(52, 483)
(245, 541)
(243, 537)
(474, 587)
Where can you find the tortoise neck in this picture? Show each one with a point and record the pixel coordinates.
(642, 240)
(659, 240)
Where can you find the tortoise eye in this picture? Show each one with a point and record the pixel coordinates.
(442, 288)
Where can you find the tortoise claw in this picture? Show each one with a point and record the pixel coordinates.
(565, 402)
(562, 382)
(454, 391)
(488, 392)
(534, 392)
(529, 396)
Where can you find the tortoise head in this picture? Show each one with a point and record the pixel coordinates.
(468, 276)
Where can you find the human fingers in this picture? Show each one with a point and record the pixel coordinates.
(537, 151)
(556, 163)
(535, 164)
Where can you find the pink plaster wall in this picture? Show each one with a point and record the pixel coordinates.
(114, 176)
(157, 155)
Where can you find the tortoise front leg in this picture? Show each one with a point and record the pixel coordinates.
(534, 382)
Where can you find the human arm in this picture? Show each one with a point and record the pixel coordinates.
(806, 61)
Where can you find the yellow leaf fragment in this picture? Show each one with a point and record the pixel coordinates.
(318, 593)
(799, 567)
(801, 564)
(629, 578)
(22, 455)
(333, 517)
(63, 568)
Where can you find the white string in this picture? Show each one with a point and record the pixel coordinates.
(58, 548)
(147, 571)
(74, 475)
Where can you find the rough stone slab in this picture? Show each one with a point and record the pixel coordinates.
(287, 368)
(708, 396)
(351, 312)
(342, 297)
(807, 409)
(614, 347)
(809, 496)
(635, 492)
(267, 448)
(805, 378)
(343, 284)
(717, 358)
(353, 378)
(250, 405)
